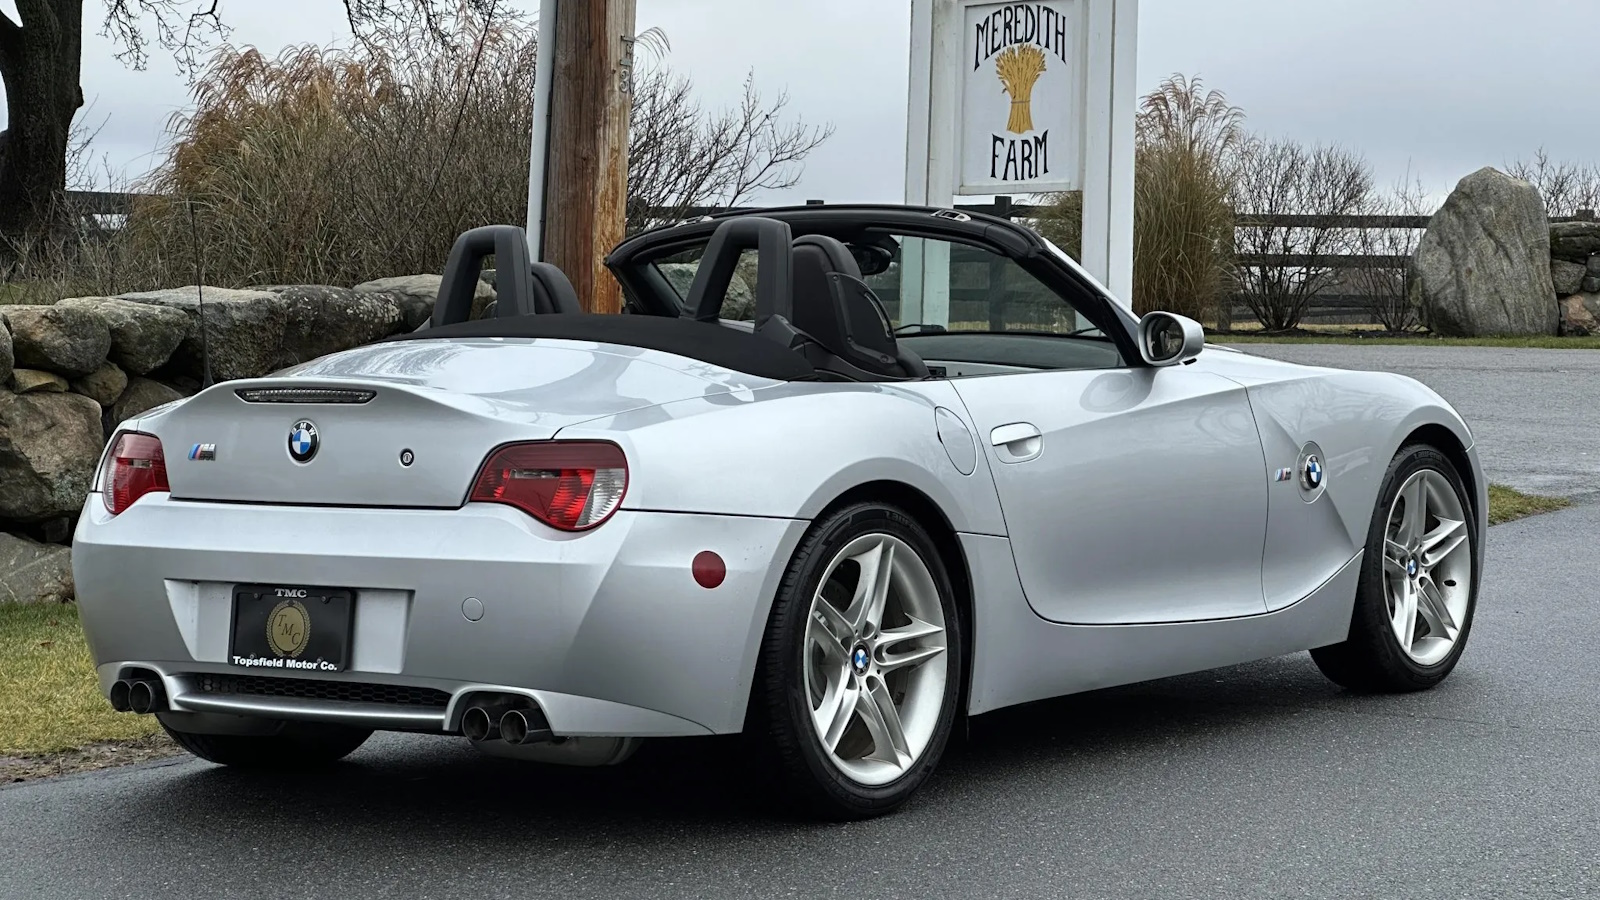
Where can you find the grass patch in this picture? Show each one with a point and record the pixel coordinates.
(49, 697)
(1542, 342)
(1509, 504)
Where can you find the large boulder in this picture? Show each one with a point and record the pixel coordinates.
(7, 360)
(143, 336)
(49, 447)
(416, 294)
(31, 572)
(1483, 266)
(1574, 241)
(104, 385)
(67, 340)
(243, 330)
(323, 319)
(142, 395)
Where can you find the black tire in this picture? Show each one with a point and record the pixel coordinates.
(1370, 659)
(299, 745)
(780, 704)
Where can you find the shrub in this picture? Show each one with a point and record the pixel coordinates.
(338, 166)
(1187, 138)
(1284, 177)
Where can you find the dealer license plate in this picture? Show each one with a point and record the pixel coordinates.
(291, 627)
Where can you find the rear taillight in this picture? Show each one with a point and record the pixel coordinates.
(570, 485)
(134, 468)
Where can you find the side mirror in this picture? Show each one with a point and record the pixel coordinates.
(1166, 339)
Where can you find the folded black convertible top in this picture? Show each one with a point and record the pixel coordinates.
(729, 348)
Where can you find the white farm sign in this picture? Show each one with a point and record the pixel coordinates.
(1026, 99)
(1021, 97)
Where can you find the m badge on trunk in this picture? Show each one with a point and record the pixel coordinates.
(303, 441)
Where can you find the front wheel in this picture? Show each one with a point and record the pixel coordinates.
(299, 745)
(861, 665)
(1418, 587)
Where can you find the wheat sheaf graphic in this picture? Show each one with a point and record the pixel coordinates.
(1019, 68)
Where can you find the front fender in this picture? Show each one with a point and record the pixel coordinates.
(1360, 420)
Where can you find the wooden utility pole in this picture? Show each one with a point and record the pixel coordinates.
(586, 168)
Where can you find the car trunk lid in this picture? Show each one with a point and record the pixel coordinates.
(403, 424)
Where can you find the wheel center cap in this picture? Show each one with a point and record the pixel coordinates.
(860, 659)
(1411, 566)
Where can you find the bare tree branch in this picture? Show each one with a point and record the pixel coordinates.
(1566, 187)
(1283, 177)
(182, 27)
(680, 155)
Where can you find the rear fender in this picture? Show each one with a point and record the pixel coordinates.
(715, 454)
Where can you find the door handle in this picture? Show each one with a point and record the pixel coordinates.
(1017, 442)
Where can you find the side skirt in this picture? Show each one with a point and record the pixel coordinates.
(1019, 657)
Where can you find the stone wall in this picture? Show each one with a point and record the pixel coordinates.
(1575, 272)
(71, 371)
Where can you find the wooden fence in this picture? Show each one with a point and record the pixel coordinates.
(1328, 306)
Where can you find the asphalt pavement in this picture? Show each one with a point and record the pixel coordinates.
(1534, 413)
(1255, 781)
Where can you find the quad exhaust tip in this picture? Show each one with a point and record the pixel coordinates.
(514, 721)
(479, 725)
(138, 695)
(524, 726)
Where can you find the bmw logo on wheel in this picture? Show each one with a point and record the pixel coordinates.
(303, 441)
(859, 659)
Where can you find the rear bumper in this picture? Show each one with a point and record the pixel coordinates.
(606, 631)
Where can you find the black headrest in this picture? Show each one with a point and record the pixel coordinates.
(552, 290)
(816, 258)
(834, 307)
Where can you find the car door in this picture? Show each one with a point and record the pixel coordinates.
(1130, 495)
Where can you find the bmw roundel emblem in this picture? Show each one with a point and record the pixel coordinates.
(859, 659)
(303, 441)
(1312, 474)
(1311, 471)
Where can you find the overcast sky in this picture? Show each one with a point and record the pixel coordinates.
(1434, 87)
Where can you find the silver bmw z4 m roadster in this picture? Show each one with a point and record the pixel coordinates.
(839, 477)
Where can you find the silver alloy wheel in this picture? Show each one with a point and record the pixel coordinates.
(875, 662)
(1427, 567)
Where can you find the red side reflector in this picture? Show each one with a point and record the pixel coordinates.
(570, 485)
(134, 468)
(708, 569)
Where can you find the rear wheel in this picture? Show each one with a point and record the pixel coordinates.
(860, 669)
(1418, 587)
(300, 745)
